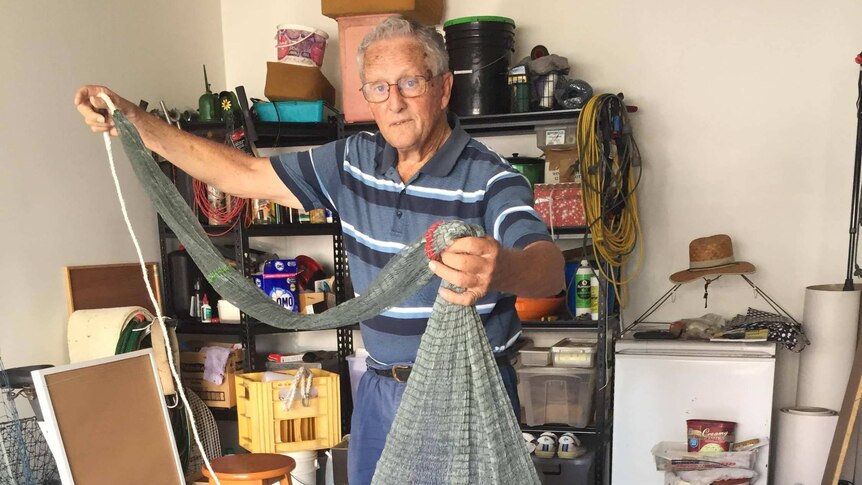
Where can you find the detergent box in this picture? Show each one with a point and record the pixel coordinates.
(279, 282)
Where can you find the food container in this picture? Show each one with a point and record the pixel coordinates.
(710, 436)
(673, 457)
(571, 353)
(535, 356)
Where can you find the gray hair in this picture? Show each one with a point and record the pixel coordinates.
(436, 56)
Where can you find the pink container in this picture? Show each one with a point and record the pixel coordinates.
(351, 31)
(301, 45)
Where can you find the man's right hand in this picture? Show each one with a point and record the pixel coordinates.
(95, 111)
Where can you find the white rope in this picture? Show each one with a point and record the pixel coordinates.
(143, 264)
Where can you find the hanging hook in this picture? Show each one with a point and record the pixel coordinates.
(706, 290)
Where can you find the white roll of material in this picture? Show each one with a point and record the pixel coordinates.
(831, 321)
(804, 438)
(93, 334)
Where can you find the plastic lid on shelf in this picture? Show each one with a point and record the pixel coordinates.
(479, 18)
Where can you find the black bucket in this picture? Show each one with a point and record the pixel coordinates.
(480, 51)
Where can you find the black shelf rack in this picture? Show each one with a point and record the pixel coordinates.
(270, 134)
(496, 125)
(249, 329)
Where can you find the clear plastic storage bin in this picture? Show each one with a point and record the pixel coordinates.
(535, 356)
(560, 471)
(571, 353)
(556, 395)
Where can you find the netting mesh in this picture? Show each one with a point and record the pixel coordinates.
(455, 423)
(24, 455)
(207, 429)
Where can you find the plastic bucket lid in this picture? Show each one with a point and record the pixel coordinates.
(479, 18)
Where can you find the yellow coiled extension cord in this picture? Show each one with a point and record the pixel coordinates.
(608, 189)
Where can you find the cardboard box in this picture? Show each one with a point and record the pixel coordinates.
(562, 166)
(427, 12)
(192, 373)
(560, 205)
(289, 82)
(315, 302)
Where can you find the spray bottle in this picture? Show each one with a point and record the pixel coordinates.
(582, 289)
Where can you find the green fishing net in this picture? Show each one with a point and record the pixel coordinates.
(455, 424)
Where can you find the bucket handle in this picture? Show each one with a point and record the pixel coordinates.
(278, 44)
(473, 71)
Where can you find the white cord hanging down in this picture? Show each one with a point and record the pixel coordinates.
(180, 391)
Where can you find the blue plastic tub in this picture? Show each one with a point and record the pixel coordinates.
(290, 111)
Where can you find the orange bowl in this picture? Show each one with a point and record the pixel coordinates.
(536, 308)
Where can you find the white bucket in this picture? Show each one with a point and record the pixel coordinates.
(305, 472)
(300, 45)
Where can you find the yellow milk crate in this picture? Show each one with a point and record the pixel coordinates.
(266, 425)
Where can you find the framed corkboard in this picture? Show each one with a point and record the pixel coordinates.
(108, 422)
(110, 286)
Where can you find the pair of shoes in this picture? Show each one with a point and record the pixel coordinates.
(568, 446)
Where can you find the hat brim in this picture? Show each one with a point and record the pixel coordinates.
(741, 267)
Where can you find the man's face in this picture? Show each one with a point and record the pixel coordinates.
(405, 123)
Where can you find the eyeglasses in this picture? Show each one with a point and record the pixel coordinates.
(408, 87)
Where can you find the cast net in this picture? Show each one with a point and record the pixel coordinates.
(455, 423)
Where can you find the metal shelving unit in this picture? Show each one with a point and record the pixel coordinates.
(268, 134)
(496, 125)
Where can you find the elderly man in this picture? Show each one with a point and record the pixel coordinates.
(387, 188)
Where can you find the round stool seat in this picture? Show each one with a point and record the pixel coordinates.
(252, 468)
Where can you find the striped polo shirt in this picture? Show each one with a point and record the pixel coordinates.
(357, 178)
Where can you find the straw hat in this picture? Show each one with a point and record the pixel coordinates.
(709, 256)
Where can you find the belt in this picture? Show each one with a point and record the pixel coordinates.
(402, 372)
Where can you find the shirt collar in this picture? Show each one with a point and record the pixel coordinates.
(441, 163)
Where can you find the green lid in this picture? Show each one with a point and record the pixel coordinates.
(481, 18)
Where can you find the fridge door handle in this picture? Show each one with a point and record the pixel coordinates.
(701, 356)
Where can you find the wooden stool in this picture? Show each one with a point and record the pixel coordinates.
(252, 469)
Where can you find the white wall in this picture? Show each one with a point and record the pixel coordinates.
(746, 126)
(57, 202)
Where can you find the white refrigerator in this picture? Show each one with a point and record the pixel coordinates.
(659, 384)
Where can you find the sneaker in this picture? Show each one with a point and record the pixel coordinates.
(546, 445)
(570, 447)
(530, 441)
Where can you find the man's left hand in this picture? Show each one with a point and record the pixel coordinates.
(470, 263)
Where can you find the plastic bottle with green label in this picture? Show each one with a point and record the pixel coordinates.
(583, 293)
(594, 298)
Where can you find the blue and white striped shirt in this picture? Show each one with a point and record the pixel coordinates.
(380, 214)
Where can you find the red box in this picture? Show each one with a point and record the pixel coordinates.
(351, 32)
(560, 205)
